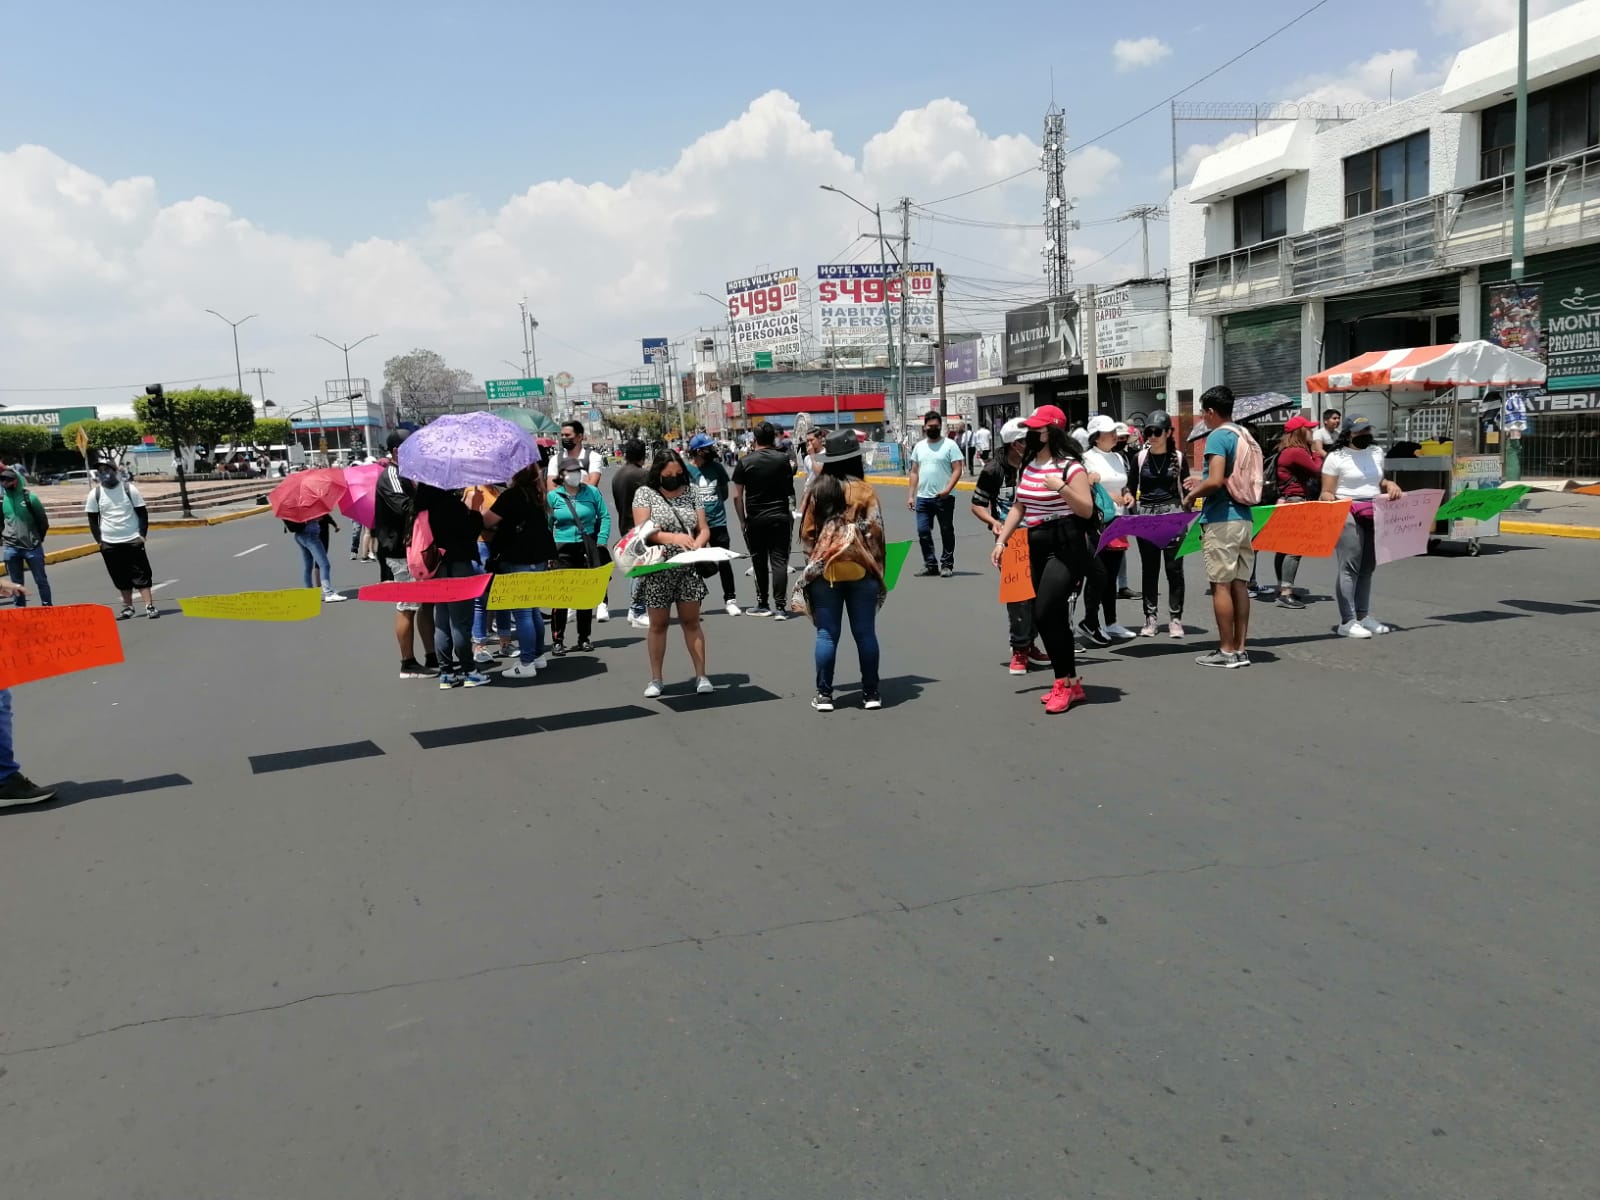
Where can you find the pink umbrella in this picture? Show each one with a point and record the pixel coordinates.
(308, 495)
(360, 503)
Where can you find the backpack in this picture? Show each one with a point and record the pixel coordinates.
(1104, 505)
(1271, 492)
(1244, 481)
(422, 556)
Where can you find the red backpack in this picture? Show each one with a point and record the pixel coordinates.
(1249, 468)
(422, 556)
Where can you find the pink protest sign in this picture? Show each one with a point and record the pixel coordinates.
(1401, 527)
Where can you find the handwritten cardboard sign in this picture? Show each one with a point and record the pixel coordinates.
(580, 589)
(1016, 570)
(1309, 530)
(894, 558)
(1191, 540)
(427, 591)
(1159, 529)
(36, 643)
(1481, 504)
(1400, 528)
(288, 604)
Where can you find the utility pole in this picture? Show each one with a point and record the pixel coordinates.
(530, 344)
(905, 286)
(1144, 214)
(1091, 350)
(1519, 183)
(261, 386)
(238, 373)
(350, 392)
(938, 346)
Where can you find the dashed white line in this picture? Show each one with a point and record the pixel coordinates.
(252, 549)
(163, 583)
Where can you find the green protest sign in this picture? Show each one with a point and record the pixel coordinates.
(894, 558)
(1480, 504)
(1191, 540)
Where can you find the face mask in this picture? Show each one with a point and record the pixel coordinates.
(671, 483)
(1361, 441)
(568, 443)
(9, 484)
(933, 433)
(108, 479)
(572, 478)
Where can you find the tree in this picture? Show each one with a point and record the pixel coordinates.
(24, 442)
(110, 437)
(637, 423)
(204, 417)
(421, 381)
(271, 431)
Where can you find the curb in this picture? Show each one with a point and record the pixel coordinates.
(52, 557)
(963, 485)
(1543, 529)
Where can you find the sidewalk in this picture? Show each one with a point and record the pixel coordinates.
(71, 552)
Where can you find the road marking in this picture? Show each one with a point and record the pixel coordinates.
(163, 583)
(252, 549)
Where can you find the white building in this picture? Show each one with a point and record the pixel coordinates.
(1317, 241)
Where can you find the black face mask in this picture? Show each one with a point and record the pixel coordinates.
(1361, 441)
(671, 483)
(932, 431)
(568, 443)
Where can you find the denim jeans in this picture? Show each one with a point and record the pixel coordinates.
(8, 754)
(481, 620)
(529, 621)
(452, 624)
(829, 603)
(1354, 560)
(34, 558)
(313, 554)
(944, 508)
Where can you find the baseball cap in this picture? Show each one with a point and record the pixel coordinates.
(1013, 430)
(1122, 429)
(1299, 422)
(700, 441)
(1355, 425)
(570, 464)
(1158, 420)
(1100, 423)
(1045, 415)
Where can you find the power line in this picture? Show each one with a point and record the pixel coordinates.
(1139, 116)
(116, 387)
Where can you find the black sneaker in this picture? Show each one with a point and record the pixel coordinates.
(411, 669)
(126, 613)
(946, 572)
(871, 701)
(432, 665)
(1127, 594)
(585, 647)
(151, 611)
(929, 572)
(1093, 635)
(822, 703)
(1289, 600)
(558, 649)
(19, 789)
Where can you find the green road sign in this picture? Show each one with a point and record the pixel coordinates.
(763, 360)
(632, 395)
(513, 389)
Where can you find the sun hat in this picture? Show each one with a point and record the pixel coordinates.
(1044, 416)
(1013, 430)
(840, 446)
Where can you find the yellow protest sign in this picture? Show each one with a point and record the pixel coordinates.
(290, 604)
(550, 589)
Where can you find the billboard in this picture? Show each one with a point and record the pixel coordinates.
(851, 296)
(961, 362)
(655, 350)
(1130, 328)
(764, 312)
(54, 418)
(1042, 340)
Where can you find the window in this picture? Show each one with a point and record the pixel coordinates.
(1261, 215)
(1562, 120)
(1387, 176)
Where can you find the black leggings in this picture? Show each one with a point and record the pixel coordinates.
(1058, 552)
(572, 556)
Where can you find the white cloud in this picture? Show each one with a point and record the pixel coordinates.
(1388, 74)
(1473, 21)
(1130, 54)
(105, 280)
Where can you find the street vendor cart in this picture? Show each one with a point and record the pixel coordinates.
(1433, 434)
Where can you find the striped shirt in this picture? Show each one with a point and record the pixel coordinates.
(1041, 502)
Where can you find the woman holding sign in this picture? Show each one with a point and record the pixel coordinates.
(678, 524)
(1353, 471)
(1055, 503)
(520, 541)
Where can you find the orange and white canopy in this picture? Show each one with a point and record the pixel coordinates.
(1463, 364)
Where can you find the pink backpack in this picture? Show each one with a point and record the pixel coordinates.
(422, 558)
(1249, 468)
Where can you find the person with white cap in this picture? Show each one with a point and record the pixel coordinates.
(992, 497)
(1110, 470)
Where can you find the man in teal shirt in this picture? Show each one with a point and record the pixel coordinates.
(708, 479)
(1225, 533)
(936, 464)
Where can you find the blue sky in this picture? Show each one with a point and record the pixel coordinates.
(371, 154)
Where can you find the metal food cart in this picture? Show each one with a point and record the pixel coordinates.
(1418, 402)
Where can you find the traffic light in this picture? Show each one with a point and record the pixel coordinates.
(158, 401)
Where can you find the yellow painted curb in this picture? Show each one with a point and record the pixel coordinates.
(180, 523)
(964, 485)
(1541, 529)
(52, 557)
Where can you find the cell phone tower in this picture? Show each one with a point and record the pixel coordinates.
(1057, 205)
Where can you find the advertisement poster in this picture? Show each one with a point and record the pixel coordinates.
(1042, 340)
(1477, 471)
(851, 299)
(1514, 318)
(764, 311)
(1130, 332)
(1572, 340)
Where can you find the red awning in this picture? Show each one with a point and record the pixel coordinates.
(1462, 364)
(766, 406)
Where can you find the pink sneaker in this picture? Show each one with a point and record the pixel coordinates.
(1019, 663)
(1060, 697)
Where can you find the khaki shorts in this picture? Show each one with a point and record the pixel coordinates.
(1226, 547)
(402, 574)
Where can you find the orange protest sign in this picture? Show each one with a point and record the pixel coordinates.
(36, 643)
(1592, 490)
(1310, 530)
(1016, 571)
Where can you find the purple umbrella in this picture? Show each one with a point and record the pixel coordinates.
(463, 449)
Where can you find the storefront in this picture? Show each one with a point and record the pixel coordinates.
(1261, 352)
(1133, 348)
(1427, 313)
(857, 410)
(1042, 351)
(975, 389)
(1553, 314)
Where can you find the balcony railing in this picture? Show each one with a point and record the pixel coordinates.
(1406, 241)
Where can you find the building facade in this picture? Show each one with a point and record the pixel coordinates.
(1314, 242)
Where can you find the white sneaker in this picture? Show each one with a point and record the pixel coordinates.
(704, 686)
(732, 608)
(483, 655)
(522, 670)
(333, 597)
(1120, 632)
(1353, 629)
(601, 612)
(1175, 629)
(654, 690)
(1373, 625)
(1149, 629)
(638, 622)
(572, 615)
(542, 662)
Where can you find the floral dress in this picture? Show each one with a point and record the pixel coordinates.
(681, 585)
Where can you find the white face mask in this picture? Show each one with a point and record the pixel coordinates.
(572, 478)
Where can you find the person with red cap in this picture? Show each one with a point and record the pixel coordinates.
(1055, 503)
(1299, 478)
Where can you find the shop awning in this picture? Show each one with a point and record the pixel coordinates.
(1463, 364)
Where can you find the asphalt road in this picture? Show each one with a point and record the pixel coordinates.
(1322, 928)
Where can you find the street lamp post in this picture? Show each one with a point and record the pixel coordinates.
(238, 371)
(888, 328)
(352, 394)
